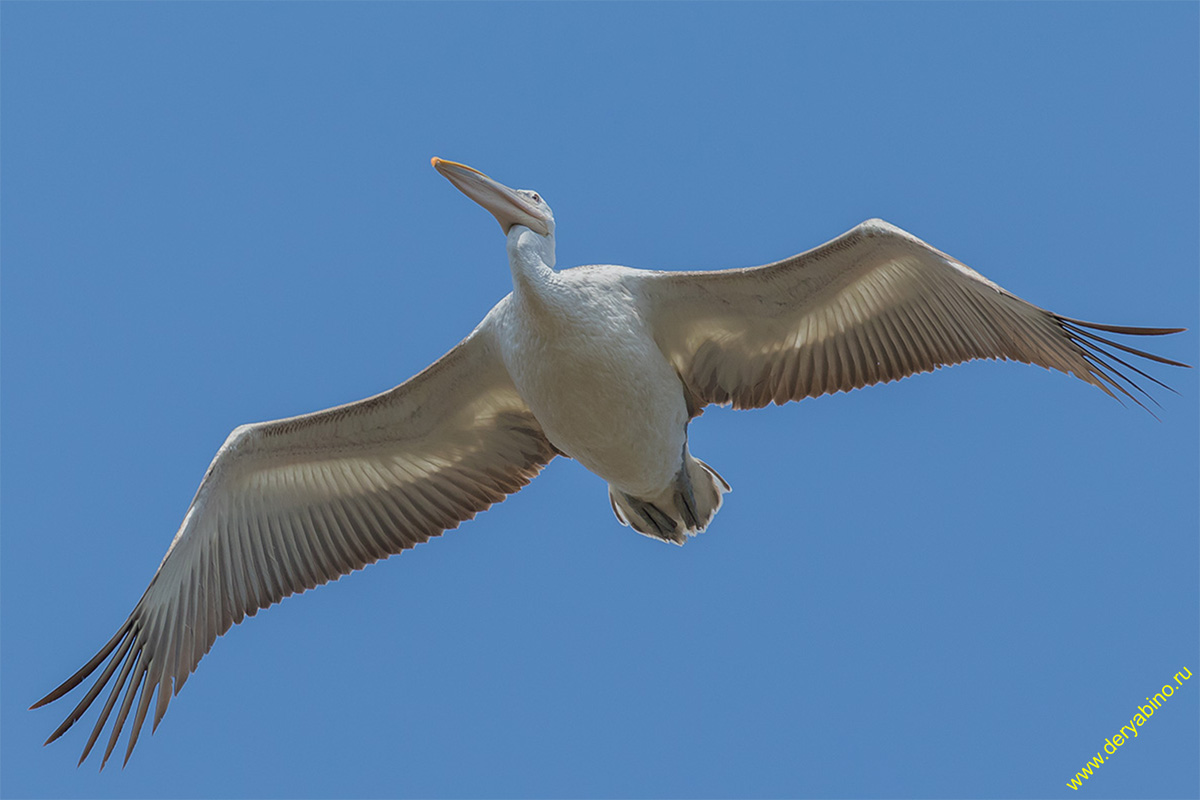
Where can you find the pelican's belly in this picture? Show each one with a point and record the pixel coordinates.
(605, 395)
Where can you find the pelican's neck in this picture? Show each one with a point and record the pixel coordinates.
(531, 257)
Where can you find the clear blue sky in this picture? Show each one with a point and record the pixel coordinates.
(957, 585)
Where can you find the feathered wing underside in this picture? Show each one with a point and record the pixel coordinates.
(288, 505)
(872, 306)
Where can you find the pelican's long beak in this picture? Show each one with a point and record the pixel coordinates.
(508, 207)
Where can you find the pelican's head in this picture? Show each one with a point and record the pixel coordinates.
(510, 207)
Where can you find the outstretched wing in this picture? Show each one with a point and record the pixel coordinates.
(874, 305)
(291, 504)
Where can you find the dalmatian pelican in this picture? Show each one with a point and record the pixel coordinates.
(604, 364)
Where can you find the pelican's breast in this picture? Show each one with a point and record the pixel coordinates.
(583, 359)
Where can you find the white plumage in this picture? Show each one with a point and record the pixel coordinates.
(604, 364)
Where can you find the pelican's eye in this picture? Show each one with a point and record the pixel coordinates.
(534, 197)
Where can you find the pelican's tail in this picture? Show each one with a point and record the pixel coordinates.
(681, 510)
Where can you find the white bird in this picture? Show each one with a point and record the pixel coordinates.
(604, 364)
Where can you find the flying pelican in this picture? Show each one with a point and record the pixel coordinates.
(604, 364)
